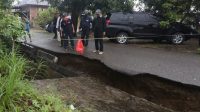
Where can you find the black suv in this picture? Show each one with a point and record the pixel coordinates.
(143, 25)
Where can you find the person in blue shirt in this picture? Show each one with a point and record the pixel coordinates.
(27, 27)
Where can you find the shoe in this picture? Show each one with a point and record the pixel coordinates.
(95, 51)
(100, 53)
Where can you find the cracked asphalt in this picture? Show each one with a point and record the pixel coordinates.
(177, 66)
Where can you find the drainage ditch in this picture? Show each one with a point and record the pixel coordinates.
(167, 93)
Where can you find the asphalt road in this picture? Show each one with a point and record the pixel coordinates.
(176, 66)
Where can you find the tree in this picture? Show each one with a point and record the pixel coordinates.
(112, 5)
(10, 26)
(6, 4)
(45, 16)
(173, 10)
(77, 6)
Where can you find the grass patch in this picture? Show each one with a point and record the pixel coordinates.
(198, 50)
(17, 94)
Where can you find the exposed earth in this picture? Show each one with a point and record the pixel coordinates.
(90, 95)
(98, 88)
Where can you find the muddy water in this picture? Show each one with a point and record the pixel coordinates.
(176, 96)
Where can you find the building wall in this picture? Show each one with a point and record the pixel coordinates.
(34, 13)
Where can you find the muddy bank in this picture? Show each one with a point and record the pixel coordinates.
(91, 95)
(173, 95)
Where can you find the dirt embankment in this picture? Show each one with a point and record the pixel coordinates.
(173, 95)
(103, 89)
(90, 95)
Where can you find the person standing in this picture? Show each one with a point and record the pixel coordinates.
(99, 27)
(58, 25)
(68, 30)
(85, 24)
(61, 32)
(55, 30)
(27, 28)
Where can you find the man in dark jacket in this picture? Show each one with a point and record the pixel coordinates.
(99, 27)
(68, 30)
(86, 20)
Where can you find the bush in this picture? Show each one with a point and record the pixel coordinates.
(45, 16)
(17, 94)
(11, 28)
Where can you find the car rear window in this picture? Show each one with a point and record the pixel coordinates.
(119, 17)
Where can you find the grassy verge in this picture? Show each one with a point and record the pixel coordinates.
(198, 51)
(17, 94)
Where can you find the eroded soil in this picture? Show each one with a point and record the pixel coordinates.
(169, 94)
(90, 95)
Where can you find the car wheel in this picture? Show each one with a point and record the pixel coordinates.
(177, 38)
(122, 38)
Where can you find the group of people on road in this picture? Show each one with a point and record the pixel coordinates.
(64, 28)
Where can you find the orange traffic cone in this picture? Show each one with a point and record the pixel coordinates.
(79, 47)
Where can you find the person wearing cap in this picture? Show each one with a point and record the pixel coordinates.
(68, 30)
(99, 27)
(27, 27)
(86, 21)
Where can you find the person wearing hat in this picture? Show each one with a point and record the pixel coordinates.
(27, 27)
(99, 28)
(68, 30)
(86, 21)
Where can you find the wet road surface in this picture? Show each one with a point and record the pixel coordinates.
(176, 66)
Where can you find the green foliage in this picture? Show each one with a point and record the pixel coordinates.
(6, 4)
(112, 5)
(45, 16)
(164, 24)
(17, 94)
(198, 50)
(174, 10)
(11, 28)
(104, 5)
(77, 6)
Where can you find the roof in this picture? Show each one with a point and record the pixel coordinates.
(31, 2)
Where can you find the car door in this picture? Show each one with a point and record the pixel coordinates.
(153, 25)
(139, 25)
